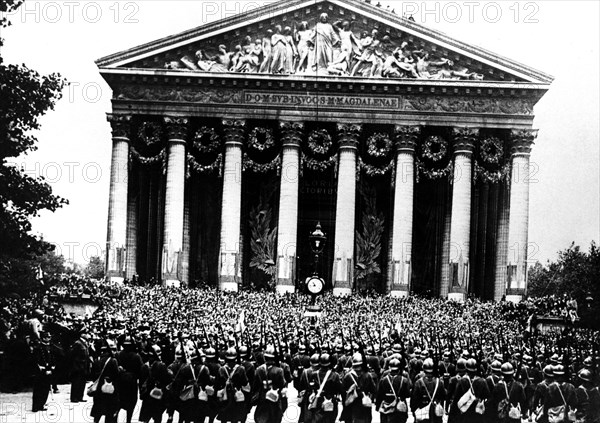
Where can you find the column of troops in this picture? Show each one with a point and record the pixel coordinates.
(349, 380)
(455, 269)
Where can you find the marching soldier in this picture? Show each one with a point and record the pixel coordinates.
(358, 393)
(428, 396)
(561, 398)
(588, 398)
(327, 387)
(131, 364)
(269, 380)
(539, 394)
(462, 411)
(80, 366)
(392, 393)
(233, 386)
(508, 397)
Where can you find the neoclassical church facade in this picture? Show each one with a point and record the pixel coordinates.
(231, 141)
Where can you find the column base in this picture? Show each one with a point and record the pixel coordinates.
(285, 289)
(456, 296)
(398, 293)
(514, 298)
(172, 283)
(229, 286)
(342, 292)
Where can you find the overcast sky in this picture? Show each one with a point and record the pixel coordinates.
(558, 37)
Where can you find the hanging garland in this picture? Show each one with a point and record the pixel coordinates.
(435, 148)
(372, 170)
(148, 161)
(206, 140)
(261, 139)
(319, 142)
(491, 150)
(432, 173)
(210, 168)
(150, 133)
(255, 167)
(318, 165)
(491, 176)
(379, 146)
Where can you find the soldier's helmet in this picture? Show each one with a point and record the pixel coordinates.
(394, 364)
(192, 353)
(588, 362)
(428, 366)
(270, 352)
(461, 365)
(324, 360)
(554, 359)
(302, 348)
(472, 365)
(585, 374)
(156, 350)
(396, 348)
(549, 371)
(231, 354)
(314, 360)
(357, 360)
(508, 369)
(211, 353)
(244, 352)
(558, 370)
(496, 367)
(127, 341)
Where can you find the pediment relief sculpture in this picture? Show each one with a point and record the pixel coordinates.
(326, 49)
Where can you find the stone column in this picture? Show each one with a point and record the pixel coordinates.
(287, 226)
(343, 265)
(501, 241)
(518, 220)
(116, 236)
(172, 246)
(132, 232)
(231, 206)
(460, 221)
(406, 138)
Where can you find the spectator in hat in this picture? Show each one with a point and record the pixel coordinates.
(45, 365)
(80, 366)
(130, 364)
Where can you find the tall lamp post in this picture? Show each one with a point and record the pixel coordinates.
(315, 283)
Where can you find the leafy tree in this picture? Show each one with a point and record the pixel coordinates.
(576, 273)
(25, 95)
(95, 268)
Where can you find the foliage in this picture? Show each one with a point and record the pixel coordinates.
(263, 241)
(19, 274)
(25, 95)
(95, 268)
(575, 273)
(368, 240)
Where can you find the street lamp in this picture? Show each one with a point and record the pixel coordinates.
(317, 244)
(314, 283)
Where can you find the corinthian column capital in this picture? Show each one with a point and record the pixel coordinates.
(235, 131)
(120, 125)
(522, 140)
(406, 137)
(464, 139)
(291, 133)
(348, 134)
(177, 128)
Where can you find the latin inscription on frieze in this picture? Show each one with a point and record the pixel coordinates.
(322, 100)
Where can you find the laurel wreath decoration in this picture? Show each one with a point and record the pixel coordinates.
(211, 168)
(150, 132)
(319, 142)
(206, 140)
(379, 146)
(491, 150)
(254, 167)
(373, 170)
(261, 139)
(317, 164)
(435, 148)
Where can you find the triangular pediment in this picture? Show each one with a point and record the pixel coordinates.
(400, 48)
